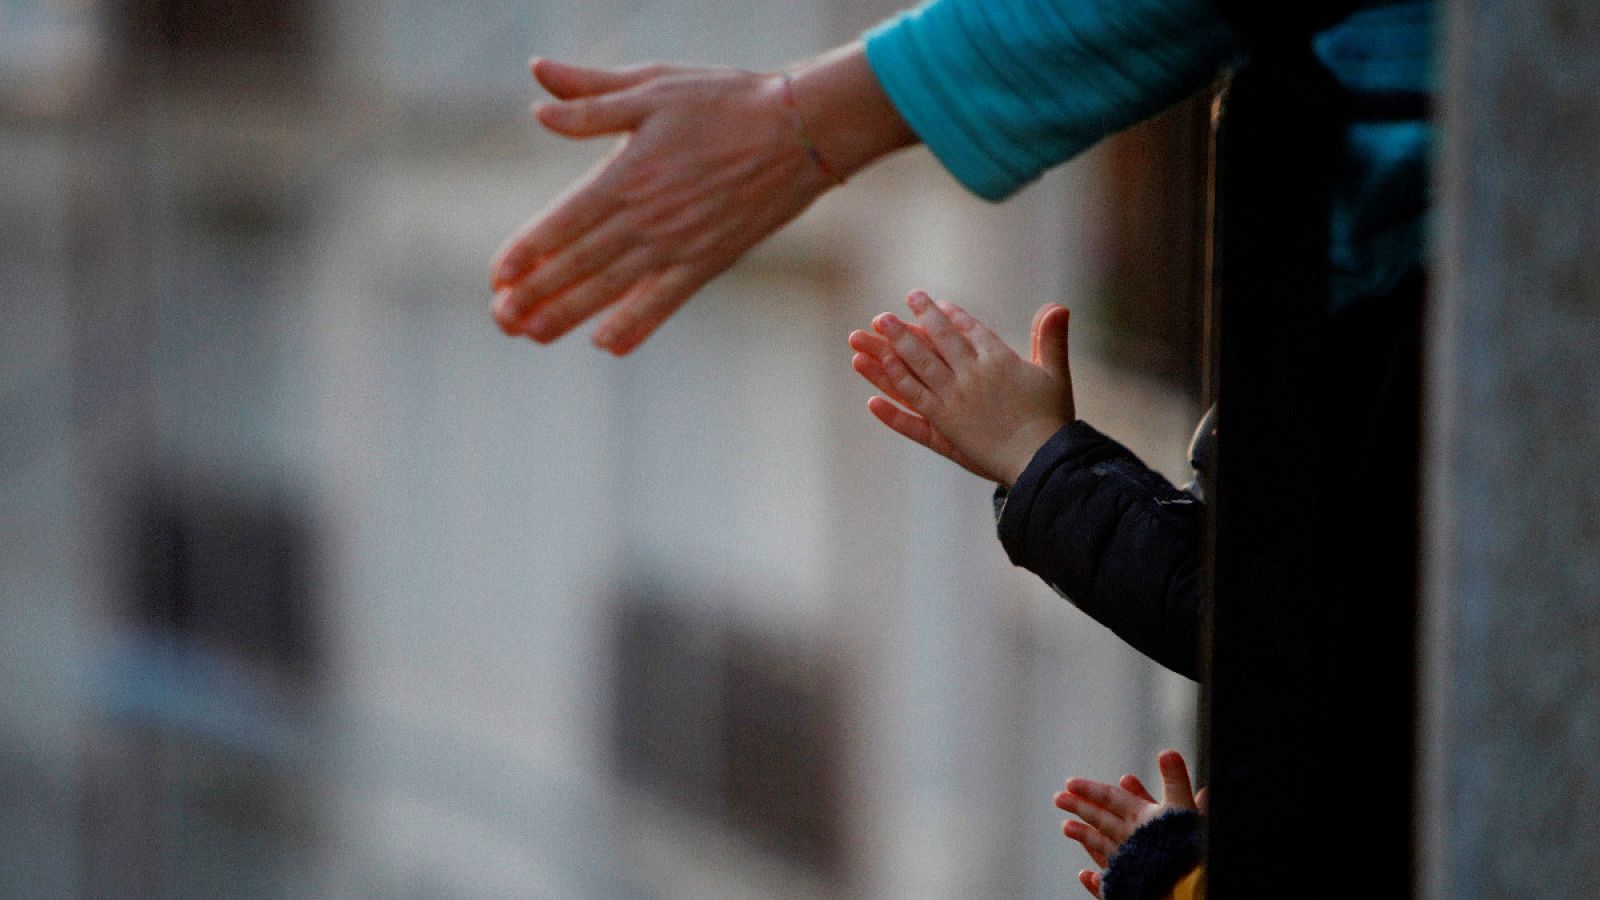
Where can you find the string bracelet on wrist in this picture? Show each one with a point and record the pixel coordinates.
(801, 133)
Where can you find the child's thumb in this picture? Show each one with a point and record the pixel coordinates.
(1050, 339)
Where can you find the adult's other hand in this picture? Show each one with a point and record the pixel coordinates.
(711, 163)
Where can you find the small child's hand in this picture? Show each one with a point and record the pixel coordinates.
(871, 350)
(1110, 813)
(971, 397)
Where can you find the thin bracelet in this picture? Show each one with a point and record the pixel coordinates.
(800, 131)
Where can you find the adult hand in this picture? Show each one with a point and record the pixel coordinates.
(710, 164)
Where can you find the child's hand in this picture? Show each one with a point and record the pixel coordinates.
(871, 350)
(972, 398)
(1110, 813)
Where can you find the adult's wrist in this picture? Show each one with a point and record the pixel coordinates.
(845, 112)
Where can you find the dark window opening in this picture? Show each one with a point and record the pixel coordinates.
(232, 51)
(738, 726)
(230, 570)
(214, 28)
(197, 776)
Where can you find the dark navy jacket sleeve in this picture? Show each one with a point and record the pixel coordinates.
(1113, 537)
(1153, 859)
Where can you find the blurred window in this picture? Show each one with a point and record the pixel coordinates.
(200, 754)
(227, 570)
(739, 727)
(212, 28)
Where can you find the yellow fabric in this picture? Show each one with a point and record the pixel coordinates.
(1191, 886)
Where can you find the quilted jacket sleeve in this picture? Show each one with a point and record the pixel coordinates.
(1115, 538)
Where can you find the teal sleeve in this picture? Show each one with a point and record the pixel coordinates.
(1000, 90)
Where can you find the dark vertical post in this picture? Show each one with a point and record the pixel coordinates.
(1311, 698)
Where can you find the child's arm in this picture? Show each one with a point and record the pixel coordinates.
(971, 397)
(1079, 510)
(1127, 833)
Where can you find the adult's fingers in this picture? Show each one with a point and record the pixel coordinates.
(643, 309)
(567, 309)
(568, 82)
(579, 209)
(602, 114)
(1090, 879)
(595, 253)
(1176, 789)
(951, 343)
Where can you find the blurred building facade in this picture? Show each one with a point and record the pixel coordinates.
(317, 585)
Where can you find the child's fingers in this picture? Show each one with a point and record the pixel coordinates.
(1106, 821)
(869, 343)
(1108, 796)
(907, 387)
(1090, 879)
(875, 344)
(1134, 786)
(1098, 846)
(951, 343)
(871, 352)
(916, 428)
(1176, 789)
(915, 351)
(891, 375)
(913, 327)
(901, 422)
(1050, 332)
(984, 342)
(871, 368)
(1033, 330)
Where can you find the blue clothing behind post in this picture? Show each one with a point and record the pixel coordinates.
(1001, 90)
(1379, 222)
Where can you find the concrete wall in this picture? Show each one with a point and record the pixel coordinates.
(1512, 641)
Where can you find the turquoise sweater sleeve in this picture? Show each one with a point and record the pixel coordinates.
(1001, 90)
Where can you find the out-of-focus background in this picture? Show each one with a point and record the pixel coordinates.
(314, 584)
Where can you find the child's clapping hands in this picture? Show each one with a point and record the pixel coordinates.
(971, 397)
(1108, 814)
